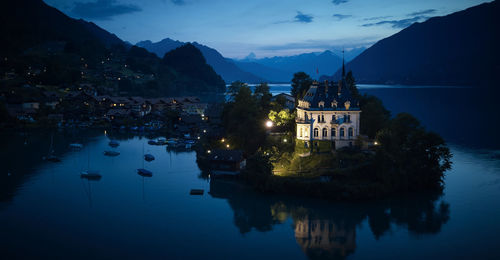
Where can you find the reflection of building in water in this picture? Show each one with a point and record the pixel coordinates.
(324, 238)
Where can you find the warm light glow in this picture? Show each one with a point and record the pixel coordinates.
(223, 140)
(269, 123)
(375, 143)
(284, 140)
(204, 131)
(198, 138)
(208, 151)
(227, 145)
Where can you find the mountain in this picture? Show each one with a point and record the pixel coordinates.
(457, 49)
(272, 74)
(226, 68)
(66, 52)
(189, 61)
(27, 23)
(283, 68)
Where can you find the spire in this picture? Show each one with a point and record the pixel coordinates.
(343, 66)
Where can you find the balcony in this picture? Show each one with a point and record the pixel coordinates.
(302, 121)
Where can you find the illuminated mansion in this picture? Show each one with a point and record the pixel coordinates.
(328, 112)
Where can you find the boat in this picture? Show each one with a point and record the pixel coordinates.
(171, 141)
(152, 142)
(144, 173)
(111, 153)
(76, 146)
(51, 157)
(161, 141)
(113, 143)
(149, 157)
(91, 175)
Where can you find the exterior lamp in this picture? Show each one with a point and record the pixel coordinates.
(204, 130)
(375, 143)
(284, 140)
(269, 124)
(223, 140)
(208, 151)
(227, 145)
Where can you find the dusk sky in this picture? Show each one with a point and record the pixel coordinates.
(266, 28)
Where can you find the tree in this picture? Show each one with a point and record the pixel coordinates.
(409, 157)
(234, 88)
(263, 96)
(300, 84)
(374, 116)
(351, 83)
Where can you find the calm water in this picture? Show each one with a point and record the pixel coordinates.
(47, 211)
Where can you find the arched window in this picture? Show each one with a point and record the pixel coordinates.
(319, 118)
(350, 132)
(334, 132)
(325, 132)
(322, 118)
(316, 132)
(342, 132)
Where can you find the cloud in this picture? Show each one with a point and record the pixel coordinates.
(341, 16)
(377, 18)
(303, 18)
(337, 2)
(178, 2)
(103, 9)
(423, 12)
(316, 45)
(399, 24)
(403, 23)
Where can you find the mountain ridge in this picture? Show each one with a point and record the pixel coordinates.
(457, 49)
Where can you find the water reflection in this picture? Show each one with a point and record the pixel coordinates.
(328, 230)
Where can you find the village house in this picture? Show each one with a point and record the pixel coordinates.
(328, 113)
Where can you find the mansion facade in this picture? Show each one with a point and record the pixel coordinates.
(328, 112)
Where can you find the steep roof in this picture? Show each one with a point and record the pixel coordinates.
(330, 94)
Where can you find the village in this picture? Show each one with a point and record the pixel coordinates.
(84, 108)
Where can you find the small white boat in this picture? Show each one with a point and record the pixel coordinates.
(144, 173)
(76, 146)
(149, 157)
(113, 143)
(91, 175)
(111, 153)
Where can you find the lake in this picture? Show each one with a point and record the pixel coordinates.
(48, 211)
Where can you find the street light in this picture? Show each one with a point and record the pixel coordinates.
(269, 124)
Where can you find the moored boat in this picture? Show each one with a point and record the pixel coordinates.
(144, 173)
(149, 157)
(111, 153)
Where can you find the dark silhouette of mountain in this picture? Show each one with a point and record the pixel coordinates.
(226, 68)
(457, 49)
(272, 74)
(31, 31)
(107, 38)
(27, 23)
(189, 61)
(283, 68)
